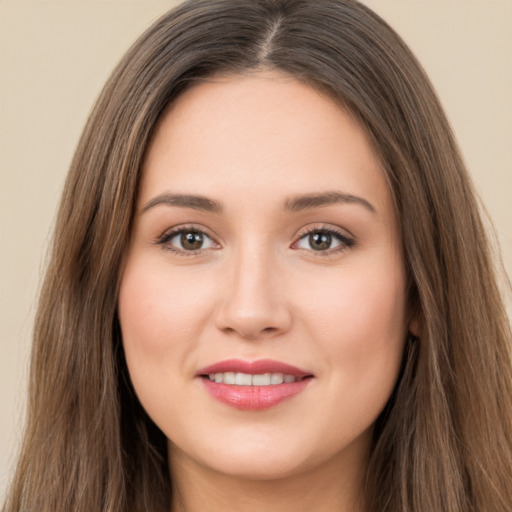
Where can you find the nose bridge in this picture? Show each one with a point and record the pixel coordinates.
(254, 303)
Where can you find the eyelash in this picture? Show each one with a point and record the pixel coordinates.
(165, 239)
(345, 242)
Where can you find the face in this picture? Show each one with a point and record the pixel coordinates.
(262, 303)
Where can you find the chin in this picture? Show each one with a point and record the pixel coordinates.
(250, 460)
(266, 457)
(259, 467)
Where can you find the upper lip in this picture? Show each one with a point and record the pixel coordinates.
(257, 367)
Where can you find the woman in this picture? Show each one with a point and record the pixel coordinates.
(270, 287)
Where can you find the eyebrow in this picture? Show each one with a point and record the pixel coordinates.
(318, 200)
(184, 201)
(294, 204)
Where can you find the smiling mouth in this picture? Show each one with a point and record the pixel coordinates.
(247, 379)
(254, 385)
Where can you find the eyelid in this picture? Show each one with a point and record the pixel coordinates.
(347, 240)
(170, 233)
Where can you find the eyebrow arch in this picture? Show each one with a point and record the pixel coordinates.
(184, 201)
(310, 201)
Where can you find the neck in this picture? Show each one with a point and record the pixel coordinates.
(200, 489)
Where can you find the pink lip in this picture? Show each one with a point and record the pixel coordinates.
(253, 367)
(254, 398)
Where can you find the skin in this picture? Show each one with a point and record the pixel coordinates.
(257, 289)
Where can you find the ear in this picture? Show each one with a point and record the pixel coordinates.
(414, 311)
(415, 325)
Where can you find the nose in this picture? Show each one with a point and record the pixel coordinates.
(254, 301)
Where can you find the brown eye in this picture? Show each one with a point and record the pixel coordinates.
(324, 240)
(191, 240)
(187, 241)
(320, 241)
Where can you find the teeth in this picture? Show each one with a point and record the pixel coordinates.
(261, 380)
(246, 379)
(229, 378)
(277, 378)
(243, 379)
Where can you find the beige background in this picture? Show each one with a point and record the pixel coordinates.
(54, 58)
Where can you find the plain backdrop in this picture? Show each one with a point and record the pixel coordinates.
(55, 57)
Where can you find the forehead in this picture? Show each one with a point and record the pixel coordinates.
(260, 132)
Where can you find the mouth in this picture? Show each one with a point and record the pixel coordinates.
(253, 385)
(246, 379)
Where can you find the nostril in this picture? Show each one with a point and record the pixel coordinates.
(252, 316)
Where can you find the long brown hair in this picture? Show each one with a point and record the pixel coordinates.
(444, 441)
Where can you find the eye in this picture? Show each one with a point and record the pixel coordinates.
(323, 240)
(187, 240)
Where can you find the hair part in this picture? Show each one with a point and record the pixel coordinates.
(444, 441)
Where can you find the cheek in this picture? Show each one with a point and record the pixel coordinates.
(377, 330)
(157, 308)
(358, 322)
(357, 304)
(161, 314)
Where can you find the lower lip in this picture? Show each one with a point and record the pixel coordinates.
(254, 398)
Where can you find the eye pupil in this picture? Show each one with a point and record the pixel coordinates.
(192, 240)
(320, 241)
